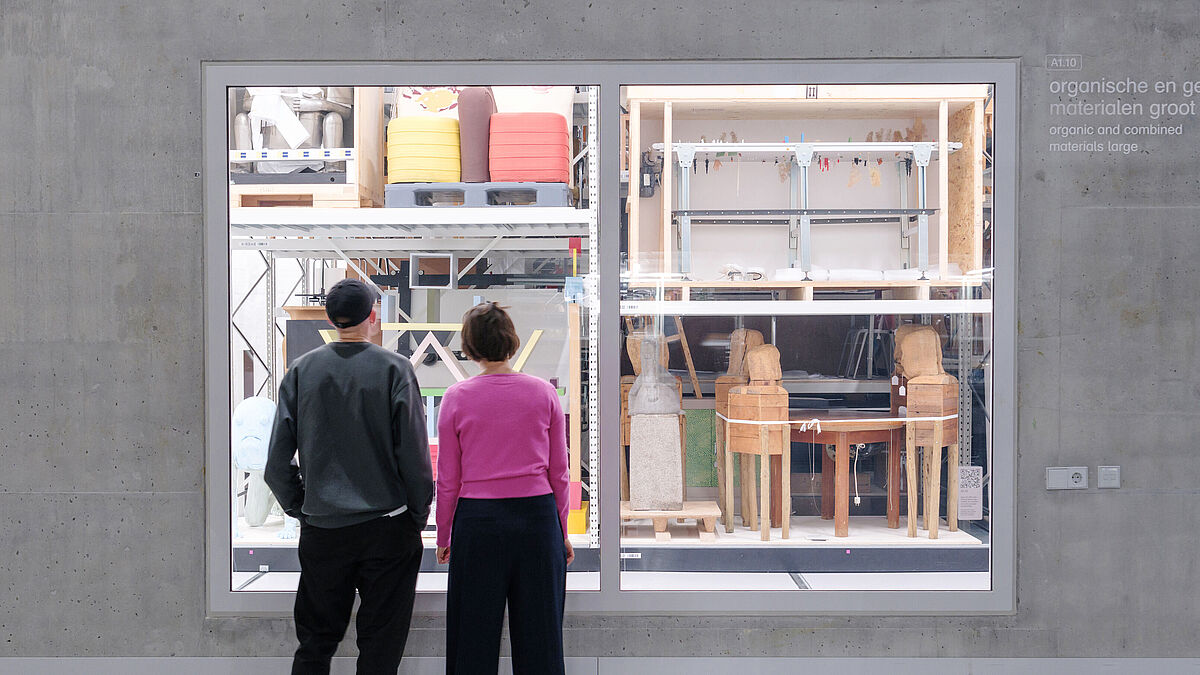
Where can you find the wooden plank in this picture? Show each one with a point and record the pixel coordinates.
(697, 510)
(935, 480)
(664, 233)
(943, 191)
(575, 391)
(369, 143)
(911, 469)
(952, 488)
(749, 502)
(527, 350)
(635, 182)
(764, 488)
(827, 483)
(966, 188)
(786, 489)
(841, 497)
(687, 358)
(728, 492)
(893, 480)
(799, 92)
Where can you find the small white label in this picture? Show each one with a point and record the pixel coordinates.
(630, 556)
(251, 243)
(970, 492)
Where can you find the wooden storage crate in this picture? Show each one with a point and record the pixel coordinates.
(364, 175)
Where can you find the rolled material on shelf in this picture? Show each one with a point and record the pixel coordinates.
(529, 147)
(423, 150)
(475, 108)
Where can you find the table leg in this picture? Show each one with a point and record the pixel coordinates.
(841, 504)
(935, 479)
(786, 461)
(826, 483)
(719, 456)
(893, 480)
(776, 491)
(728, 493)
(952, 488)
(764, 484)
(749, 494)
(910, 463)
(925, 483)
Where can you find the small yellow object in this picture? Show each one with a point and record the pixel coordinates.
(577, 520)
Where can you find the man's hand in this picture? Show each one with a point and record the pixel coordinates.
(570, 550)
(443, 555)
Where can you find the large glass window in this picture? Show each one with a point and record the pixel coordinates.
(806, 329)
(780, 312)
(440, 197)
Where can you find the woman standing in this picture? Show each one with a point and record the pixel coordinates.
(502, 506)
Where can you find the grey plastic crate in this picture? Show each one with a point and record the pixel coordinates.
(417, 195)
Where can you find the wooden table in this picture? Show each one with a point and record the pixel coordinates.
(840, 428)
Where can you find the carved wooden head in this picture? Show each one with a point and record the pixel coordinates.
(762, 362)
(741, 341)
(918, 351)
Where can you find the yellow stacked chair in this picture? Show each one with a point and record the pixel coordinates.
(423, 150)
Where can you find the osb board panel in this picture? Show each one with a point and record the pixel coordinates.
(369, 142)
(965, 222)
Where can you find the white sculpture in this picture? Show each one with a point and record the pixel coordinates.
(655, 473)
(252, 420)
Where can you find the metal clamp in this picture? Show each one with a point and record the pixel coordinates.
(922, 152)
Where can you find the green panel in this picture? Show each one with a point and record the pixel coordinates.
(701, 441)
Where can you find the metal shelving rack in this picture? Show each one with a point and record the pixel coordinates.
(350, 234)
(800, 217)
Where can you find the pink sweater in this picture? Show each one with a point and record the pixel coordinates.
(500, 436)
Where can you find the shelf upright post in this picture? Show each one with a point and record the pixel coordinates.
(793, 203)
(592, 295)
(943, 189)
(921, 154)
(966, 343)
(272, 346)
(686, 154)
(664, 235)
(804, 156)
(634, 230)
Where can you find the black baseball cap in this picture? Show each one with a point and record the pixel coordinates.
(349, 303)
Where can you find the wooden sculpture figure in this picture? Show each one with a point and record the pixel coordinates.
(741, 340)
(655, 472)
(762, 400)
(929, 392)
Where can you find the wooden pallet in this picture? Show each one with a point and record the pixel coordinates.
(704, 513)
(320, 196)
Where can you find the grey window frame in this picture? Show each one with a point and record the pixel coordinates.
(610, 76)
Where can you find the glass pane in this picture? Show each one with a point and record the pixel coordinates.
(406, 187)
(806, 322)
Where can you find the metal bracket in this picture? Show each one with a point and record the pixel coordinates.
(685, 154)
(922, 152)
(804, 154)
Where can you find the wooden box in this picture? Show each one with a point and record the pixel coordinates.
(364, 175)
(768, 403)
(934, 399)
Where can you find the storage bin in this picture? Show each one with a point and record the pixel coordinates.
(529, 147)
(475, 108)
(423, 150)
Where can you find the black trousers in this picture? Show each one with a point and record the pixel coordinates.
(506, 551)
(379, 559)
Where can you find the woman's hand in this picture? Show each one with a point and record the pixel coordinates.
(567, 545)
(443, 555)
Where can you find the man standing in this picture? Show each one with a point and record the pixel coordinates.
(362, 490)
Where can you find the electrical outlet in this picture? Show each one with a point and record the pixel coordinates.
(1066, 477)
(1108, 476)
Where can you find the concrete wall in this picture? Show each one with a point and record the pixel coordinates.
(100, 352)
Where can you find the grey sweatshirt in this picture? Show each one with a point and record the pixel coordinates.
(353, 411)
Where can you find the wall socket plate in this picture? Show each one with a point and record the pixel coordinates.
(1066, 477)
(1108, 476)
